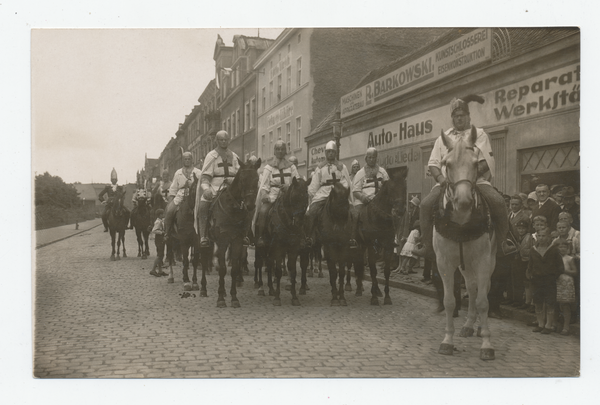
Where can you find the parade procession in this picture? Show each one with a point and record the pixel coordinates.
(336, 204)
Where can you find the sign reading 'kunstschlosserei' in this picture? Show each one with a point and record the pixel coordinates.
(468, 50)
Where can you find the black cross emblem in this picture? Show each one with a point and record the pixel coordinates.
(282, 176)
(225, 165)
(376, 181)
(331, 182)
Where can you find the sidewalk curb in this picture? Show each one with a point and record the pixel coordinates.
(66, 237)
(507, 312)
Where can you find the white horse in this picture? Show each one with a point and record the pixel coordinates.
(463, 237)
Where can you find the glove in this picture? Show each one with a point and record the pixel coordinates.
(265, 199)
(207, 194)
(444, 180)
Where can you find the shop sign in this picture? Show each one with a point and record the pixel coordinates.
(316, 155)
(398, 157)
(466, 51)
(551, 91)
(280, 115)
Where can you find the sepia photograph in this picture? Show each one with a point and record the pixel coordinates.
(394, 205)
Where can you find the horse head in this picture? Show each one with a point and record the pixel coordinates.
(391, 199)
(118, 199)
(245, 184)
(461, 170)
(338, 205)
(296, 199)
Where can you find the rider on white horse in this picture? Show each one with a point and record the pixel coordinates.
(324, 177)
(181, 180)
(275, 176)
(461, 119)
(220, 166)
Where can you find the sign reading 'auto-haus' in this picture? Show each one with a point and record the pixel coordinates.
(466, 51)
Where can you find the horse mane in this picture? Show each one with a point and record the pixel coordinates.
(337, 204)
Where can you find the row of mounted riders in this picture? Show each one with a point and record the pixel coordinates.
(230, 217)
(232, 209)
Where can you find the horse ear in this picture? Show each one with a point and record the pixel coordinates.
(294, 181)
(473, 136)
(257, 164)
(240, 162)
(447, 141)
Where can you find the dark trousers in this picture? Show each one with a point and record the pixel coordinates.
(159, 242)
(427, 269)
(517, 273)
(499, 282)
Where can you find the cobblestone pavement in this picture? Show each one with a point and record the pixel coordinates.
(97, 318)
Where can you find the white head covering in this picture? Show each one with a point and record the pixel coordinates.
(113, 174)
(331, 146)
(354, 162)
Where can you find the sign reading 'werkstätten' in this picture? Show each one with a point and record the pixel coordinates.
(468, 50)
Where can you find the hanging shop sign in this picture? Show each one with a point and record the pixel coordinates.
(466, 51)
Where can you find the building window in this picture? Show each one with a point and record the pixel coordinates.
(289, 47)
(299, 72)
(288, 136)
(238, 118)
(270, 141)
(252, 111)
(278, 133)
(298, 132)
(246, 116)
(271, 93)
(288, 87)
(279, 88)
(228, 129)
(264, 99)
(233, 127)
(263, 152)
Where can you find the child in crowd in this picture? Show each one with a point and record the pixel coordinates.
(565, 285)
(408, 258)
(159, 231)
(545, 265)
(521, 289)
(539, 222)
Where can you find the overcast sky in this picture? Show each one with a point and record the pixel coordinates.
(105, 98)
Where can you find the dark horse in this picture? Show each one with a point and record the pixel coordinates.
(229, 219)
(376, 232)
(284, 236)
(186, 238)
(118, 219)
(142, 223)
(334, 230)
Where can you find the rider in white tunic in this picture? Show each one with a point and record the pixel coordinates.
(274, 177)
(324, 177)
(181, 181)
(220, 166)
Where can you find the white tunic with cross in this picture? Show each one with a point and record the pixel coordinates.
(274, 178)
(180, 181)
(368, 181)
(324, 177)
(219, 169)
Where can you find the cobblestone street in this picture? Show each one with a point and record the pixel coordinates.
(97, 318)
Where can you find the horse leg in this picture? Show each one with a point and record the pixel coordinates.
(291, 264)
(331, 266)
(187, 286)
(446, 269)
(276, 263)
(471, 284)
(485, 266)
(235, 254)
(138, 235)
(387, 260)
(342, 275)
(270, 271)
(112, 243)
(359, 270)
(122, 234)
(146, 235)
(222, 273)
(118, 257)
(375, 291)
(320, 261)
(170, 253)
(205, 257)
(194, 254)
(303, 267)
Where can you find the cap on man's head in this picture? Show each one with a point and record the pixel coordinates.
(293, 159)
(355, 162)
(569, 192)
(415, 201)
(462, 103)
(532, 196)
(331, 146)
(222, 133)
(187, 154)
(524, 223)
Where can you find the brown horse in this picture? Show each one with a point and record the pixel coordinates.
(376, 232)
(118, 219)
(229, 220)
(463, 237)
(142, 222)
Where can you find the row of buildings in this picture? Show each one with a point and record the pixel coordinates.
(390, 89)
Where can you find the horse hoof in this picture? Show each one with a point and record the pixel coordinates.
(195, 287)
(375, 301)
(124, 255)
(335, 303)
(221, 304)
(203, 294)
(288, 287)
(139, 255)
(271, 293)
(277, 302)
(112, 258)
(479, 331)
(466, 332)
(235, 304)
(296, 302)
(261, 293)
(487, 354)
(307, 288)
(343, 303)
(170, 280)
(348, 287)
(446, 349)
(302, 291)
(187, 287)
(118, 258)
(310, 274)
(144, 257)
(239, 284)
(387, 301)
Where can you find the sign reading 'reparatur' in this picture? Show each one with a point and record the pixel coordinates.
(466, 51)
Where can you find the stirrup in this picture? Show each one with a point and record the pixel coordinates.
(353, 244)
(204, 242)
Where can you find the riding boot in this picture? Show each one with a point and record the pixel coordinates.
(426, 220)
(105, 219)
(261, 223)
(203, 223)
(170, 212)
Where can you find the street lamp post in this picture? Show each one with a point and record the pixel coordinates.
(337, 132)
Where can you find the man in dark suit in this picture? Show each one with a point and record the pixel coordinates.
(546, 207)
(516, 214)
(571, 207)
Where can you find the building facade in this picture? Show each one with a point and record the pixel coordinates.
(529, 78)
(306, 70)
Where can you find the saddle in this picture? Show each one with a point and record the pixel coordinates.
(479, 223)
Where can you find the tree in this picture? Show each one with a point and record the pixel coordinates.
(53, 191)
